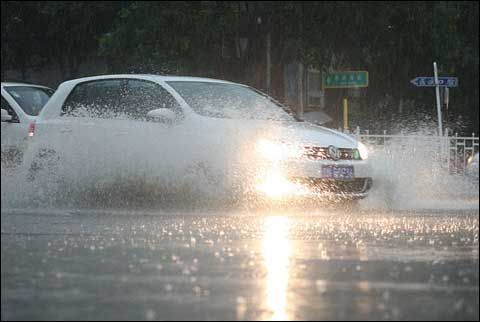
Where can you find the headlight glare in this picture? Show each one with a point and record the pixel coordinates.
(470, 159)
(277, 151)
(363, 151)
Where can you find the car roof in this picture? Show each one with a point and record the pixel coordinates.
(64, 89)
(23, 84)
(152, 77)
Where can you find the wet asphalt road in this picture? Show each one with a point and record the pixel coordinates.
(122, 265)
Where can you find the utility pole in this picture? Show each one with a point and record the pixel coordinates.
(268, 63)
(300, 91)
(301, 73)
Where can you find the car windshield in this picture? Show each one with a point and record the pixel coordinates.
(30, 99)
(229, 101)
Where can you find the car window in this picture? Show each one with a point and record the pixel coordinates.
(94, 99)
(30, 99)
(141, 97)
(6, 106)
(119, 98)
(224, 100)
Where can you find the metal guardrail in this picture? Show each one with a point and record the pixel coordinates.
(452, 151)
(459, 150)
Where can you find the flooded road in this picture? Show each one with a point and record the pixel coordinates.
(322, 265)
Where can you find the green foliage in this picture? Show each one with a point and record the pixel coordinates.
(169, 36)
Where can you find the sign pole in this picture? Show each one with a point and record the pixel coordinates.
(437, 94)
(345, 79)
(446, 100)
(345, 114)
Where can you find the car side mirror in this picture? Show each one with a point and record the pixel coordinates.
(5, 116)
(163, 115)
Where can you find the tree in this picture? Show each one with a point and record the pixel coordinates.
(169, 36)
(65, 33)
(21, 37)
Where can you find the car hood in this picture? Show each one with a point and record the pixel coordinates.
(291, 132)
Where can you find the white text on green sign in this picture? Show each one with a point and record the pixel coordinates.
(346, 79)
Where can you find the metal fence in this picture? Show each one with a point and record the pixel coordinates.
(452, 151)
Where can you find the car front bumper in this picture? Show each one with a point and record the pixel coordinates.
(305, 180)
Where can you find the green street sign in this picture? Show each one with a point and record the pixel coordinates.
(346, 79)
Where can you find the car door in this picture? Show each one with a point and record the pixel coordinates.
(172, 153)
(110, 133)
(144, 146)
(83, 114)
(13, 134)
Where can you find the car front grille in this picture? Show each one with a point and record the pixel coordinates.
(357, 185)
(321, 153)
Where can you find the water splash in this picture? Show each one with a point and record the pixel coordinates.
(411, 173)
(408, 174)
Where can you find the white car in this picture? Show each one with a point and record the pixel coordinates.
(171, 127)
(21, 103)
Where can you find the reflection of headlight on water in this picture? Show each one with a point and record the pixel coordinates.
(277, 151)
(276, 253)
(362, 149)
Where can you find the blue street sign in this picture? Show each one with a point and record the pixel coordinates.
(423, 81)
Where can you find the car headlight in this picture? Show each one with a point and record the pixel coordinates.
(363, 151)
(275, 151)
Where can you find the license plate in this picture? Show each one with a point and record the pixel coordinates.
(336, 172)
